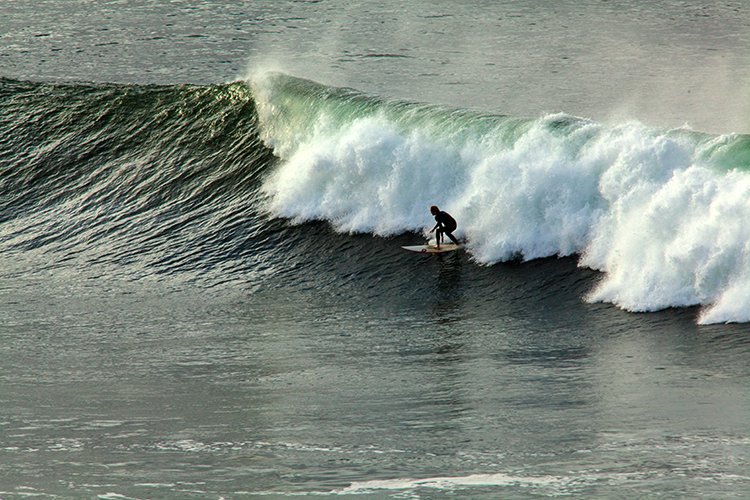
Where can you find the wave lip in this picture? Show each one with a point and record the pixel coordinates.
(662, 213)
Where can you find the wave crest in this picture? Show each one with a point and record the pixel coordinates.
(663, 213)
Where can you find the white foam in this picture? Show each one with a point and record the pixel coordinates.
(452, 483)
(647, 207)
(365, 178)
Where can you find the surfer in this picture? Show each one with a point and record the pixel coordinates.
(445, 225)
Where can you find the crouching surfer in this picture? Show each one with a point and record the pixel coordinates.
(445, 225)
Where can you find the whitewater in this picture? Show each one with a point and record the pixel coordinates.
(662, 213)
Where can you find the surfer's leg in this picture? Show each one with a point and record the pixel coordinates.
(449, 231)
(438, 236)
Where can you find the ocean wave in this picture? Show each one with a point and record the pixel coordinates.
(664, 214)
(201, 181)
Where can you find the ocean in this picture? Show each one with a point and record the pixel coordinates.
(203, 292)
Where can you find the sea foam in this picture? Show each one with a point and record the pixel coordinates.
(664, 214)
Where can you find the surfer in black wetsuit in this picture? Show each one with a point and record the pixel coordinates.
(445, 225)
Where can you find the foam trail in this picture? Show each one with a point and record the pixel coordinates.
(555, 484)
(664, 214)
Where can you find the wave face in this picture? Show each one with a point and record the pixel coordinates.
(141, 180)
(664, 214)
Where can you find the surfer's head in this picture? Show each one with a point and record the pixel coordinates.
(434, 210)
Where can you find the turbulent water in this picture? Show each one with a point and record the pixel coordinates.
(203, 294)
(660, 211)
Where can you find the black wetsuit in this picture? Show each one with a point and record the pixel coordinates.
(445, 225)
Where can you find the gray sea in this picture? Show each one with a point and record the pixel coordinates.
(202, 287)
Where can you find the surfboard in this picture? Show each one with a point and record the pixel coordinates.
(445, 247)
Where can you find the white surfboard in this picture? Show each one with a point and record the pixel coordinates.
(445, 247)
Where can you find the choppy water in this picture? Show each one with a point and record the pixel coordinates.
(203, 292)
